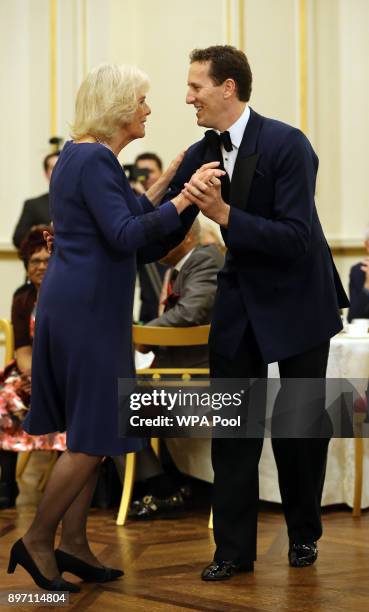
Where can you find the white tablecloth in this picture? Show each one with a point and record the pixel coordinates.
(348, 358)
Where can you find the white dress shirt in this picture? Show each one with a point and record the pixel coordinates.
(236, 133)
(179, 265)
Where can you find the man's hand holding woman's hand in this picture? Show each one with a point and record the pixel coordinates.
(204, 190)
(208, 172)
(194, 191)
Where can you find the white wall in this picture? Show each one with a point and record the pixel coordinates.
(270, 38)
(353, 95)
(158, 36)
(160, 40)
(24, 106)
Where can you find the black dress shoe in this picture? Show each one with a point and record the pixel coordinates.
(302, 555)
(85, 571)
(223, 570)
(20, 555)
(150, 507)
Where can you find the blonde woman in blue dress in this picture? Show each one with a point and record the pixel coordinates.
(84, 317)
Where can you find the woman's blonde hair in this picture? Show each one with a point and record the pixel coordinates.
(107, 99)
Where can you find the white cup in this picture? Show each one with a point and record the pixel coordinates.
(358, 327)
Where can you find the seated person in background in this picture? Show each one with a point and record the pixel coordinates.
(190, 297)
(36, 210)
(210, 234)
(151, 275)
(359, 287)
(15, 381)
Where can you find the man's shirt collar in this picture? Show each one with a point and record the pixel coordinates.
(236, 130)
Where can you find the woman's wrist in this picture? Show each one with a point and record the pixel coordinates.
(180, 202)
(157, 190)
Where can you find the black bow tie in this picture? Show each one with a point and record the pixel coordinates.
(221, 139)
(226, 141)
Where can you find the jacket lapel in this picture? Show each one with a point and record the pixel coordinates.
(246, 161)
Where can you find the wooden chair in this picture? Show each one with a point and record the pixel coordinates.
(7, 340)
(160, 336)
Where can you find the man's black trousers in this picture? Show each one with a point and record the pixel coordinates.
(301, 462)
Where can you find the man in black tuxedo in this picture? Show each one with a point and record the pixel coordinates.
(36, 210)
(278, 296)
(359, 287)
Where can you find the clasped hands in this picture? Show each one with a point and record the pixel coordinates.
(204, 190)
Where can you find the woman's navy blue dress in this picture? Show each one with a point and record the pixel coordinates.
(83, 341)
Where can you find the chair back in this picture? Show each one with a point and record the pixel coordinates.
(171, 336)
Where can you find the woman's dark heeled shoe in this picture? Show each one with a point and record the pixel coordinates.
(20, 555)
(85, 571)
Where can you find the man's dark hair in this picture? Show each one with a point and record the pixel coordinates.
(49, 156)
(227, 62)
(151, 156)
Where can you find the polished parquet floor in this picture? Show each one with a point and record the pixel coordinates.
(163, 559)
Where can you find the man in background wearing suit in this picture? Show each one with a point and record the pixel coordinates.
(278, 296)
(153, 165)
(193, 281)
(359, 287)
(36, 210)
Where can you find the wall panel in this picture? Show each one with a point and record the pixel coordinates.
(158, 36)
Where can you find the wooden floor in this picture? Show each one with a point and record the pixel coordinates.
(163, 560)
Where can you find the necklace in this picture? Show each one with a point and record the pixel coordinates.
(104, 144)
